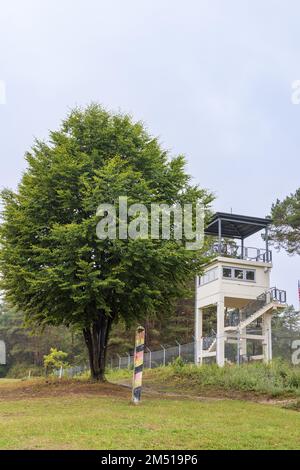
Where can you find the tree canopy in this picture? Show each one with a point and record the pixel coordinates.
(285, 231)
(53, 266)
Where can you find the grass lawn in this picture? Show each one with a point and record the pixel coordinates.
(8, 381)
(98, 417)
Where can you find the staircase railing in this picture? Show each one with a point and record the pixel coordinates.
(207, 341)
(271, 295)
(233, 318)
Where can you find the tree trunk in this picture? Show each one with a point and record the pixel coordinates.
(96, 339)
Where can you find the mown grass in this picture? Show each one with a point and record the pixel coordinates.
(66, 414)
(275, 379)
(84, 422)
(6, 381)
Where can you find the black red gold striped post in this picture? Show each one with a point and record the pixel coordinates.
(138, 365)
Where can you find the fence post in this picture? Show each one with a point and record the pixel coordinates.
(238, 347)
(60, 372)
(128, 362)
(138, 365)
(179, 349)
(201, 350)
(29, 374)
(164, 354)
(119, 361)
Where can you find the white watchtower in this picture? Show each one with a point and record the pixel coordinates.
(234, 295)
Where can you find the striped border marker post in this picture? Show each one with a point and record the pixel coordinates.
(138, 365)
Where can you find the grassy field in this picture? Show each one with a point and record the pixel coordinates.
(8, 381)
(78, 415)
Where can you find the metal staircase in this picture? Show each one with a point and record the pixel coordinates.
(213, 346)
(209, 345)
(271, 299)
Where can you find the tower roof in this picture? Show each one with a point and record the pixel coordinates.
(235, 225)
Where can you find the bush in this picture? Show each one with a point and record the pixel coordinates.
(54, 360)
(21, 371)
(3, 371)
(177, 364)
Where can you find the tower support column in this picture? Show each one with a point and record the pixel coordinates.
(243, 341)
(198, 336)
(198, 327)
(220, 332)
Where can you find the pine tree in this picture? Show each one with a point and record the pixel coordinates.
(285, 329)
(285, 231)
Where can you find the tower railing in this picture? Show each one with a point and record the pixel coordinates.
(271, 295)
(241, 252)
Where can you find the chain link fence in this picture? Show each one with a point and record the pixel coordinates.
(70, 372)
(284, 347)
(152, 359)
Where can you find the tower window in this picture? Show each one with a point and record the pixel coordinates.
(239, 273)
(209, 276)
(227, 272)
(250, 275)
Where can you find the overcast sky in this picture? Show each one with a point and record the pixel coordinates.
(211, 78)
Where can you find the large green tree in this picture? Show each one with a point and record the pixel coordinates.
(285, 231)
(54, 267)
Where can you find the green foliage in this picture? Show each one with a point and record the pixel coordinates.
(161, 330)
(26, 346)
(177, 364)
(21, 371)
(285, 231)
(275, 379)
(55, 359)
(53, 267)
(285, 329)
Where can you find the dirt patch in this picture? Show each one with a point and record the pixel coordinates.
(42, 388)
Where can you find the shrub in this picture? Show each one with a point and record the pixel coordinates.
(55, 360)
(177, 364)
(21, 371)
